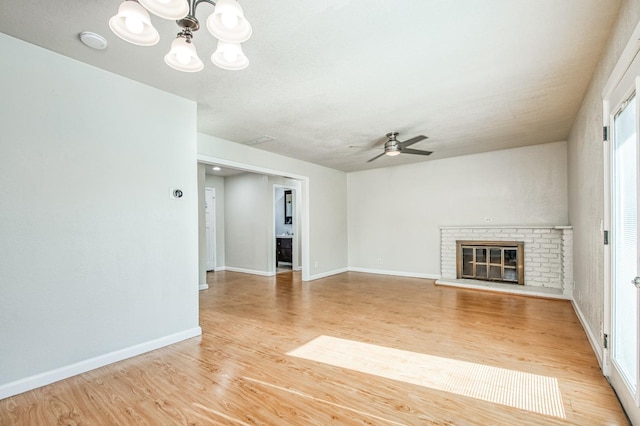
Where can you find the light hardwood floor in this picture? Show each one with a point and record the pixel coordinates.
(239, 373)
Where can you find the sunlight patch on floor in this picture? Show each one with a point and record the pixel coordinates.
(512, 388)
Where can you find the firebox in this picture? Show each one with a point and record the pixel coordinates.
(501, 261)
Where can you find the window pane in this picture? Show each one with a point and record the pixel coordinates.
(495, 255)
(481, 271)
(510, 257)
(625, 231)
(467, 261)
(510, 275)
(495, 272)
(481, 255)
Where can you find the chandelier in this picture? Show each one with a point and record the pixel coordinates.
(227, 23)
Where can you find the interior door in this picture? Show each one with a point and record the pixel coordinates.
(210, 226)
(625, 279)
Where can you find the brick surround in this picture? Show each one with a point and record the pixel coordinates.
(548, 251)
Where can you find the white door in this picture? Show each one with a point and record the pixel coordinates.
(625, 271)
(210, 226)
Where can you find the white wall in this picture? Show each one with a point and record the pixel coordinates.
(94, 255)
(586, 179)
(326, 199)
(395, 213)
(217, 182)
(248, 222)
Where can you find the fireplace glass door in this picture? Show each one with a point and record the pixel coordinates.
(490, 261)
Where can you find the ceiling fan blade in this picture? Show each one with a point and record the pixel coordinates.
(375, 158)
(415, 151)
(412, 141)
(374, 144)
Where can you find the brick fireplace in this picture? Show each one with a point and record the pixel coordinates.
(546, 262)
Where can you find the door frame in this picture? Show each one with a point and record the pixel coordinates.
(303, 203)
(610, 90)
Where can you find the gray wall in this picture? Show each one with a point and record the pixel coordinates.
(586, 178)
(248, 222)
(95, 257)
(202, 238)
(395, 213)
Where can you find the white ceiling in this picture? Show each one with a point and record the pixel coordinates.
(473, 75)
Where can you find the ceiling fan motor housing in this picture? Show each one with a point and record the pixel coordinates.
(391, 145)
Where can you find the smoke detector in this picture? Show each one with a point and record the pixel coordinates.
(93, 40)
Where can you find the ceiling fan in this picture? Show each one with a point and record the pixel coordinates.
(394, 147)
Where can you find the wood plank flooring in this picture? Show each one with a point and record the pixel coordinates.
(239, 373)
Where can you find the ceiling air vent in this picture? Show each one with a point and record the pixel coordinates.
(260, 140)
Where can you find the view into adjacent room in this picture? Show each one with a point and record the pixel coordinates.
(249, 222)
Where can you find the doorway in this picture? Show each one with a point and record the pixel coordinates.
(286, 229)
(623, 294)
(210, 227)
(301, 243)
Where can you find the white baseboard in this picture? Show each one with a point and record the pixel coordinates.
(203, 286)
(250, 271)
(593, 340)
(327, 274)
(395, 273)
(48, 377)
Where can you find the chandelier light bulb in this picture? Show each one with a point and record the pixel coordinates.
(229, 56)
(227, 22)
(183, 56)
(167, 9)
(133, 24)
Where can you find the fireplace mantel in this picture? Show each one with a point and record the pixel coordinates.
(548, 259)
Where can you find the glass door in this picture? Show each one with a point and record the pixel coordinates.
(621, 358)
(624, 293)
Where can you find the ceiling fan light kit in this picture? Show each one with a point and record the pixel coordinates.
(227, 23)
(393, 147)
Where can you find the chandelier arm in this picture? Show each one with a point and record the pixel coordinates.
(190, 21)
(193, 4)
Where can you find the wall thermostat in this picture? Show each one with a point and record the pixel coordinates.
(175, 193)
